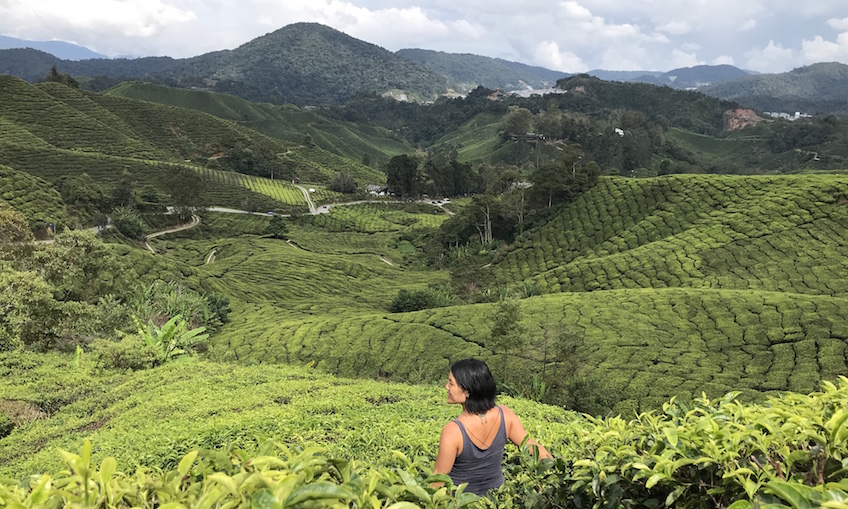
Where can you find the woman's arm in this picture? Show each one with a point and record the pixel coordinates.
(516, 433)
(450, 445)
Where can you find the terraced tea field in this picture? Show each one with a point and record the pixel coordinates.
(677, 286)
(764, 233)
(32, 196)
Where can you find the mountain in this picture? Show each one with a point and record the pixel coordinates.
(621, 75)
(693, 77)
(58, 49)
(465, 71)
(682, 78)
(303, 63)
(816, 89)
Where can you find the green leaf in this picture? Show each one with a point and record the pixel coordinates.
(107, 469)
(40, 493)
(740, 504)
(404, 505)
(185, 463)
(225, 481)
(264, 499)
(653, 480)
(671, 435)
(839, 431)
(321, 490)
(788, 493)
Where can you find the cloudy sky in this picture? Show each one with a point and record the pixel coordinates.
(570, 36)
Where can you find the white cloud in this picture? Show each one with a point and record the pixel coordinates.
(773, 58)
(566, 34)
(747, 25)
(683, 59)
(548, 54)
(675, 28)
(839, 24)
(820, 50)
(723, 60)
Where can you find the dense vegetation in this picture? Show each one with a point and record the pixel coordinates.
(817, 89)
(295, 436)
(302, 63)
(179, 343)
(466, 72)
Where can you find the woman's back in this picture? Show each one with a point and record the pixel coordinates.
(479, 462)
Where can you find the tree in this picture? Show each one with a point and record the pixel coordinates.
(343, 183)
(276, 228)
(15, 235)
(80, 267)
(60, 77)
(514, 203)
(123, 194)
(563, 181)
(516, 121)
(507, 331)
(187, 192)
(128, 222)
(27, 310)
(82, 192)
(402, 176)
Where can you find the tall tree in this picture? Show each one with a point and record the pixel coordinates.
(402, 175)
(187, 192)
(507, 331)
(60, 77)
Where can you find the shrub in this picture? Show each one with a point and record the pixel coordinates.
(416, 300)
(128, 222)
(129, 353)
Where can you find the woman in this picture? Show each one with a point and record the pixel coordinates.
(471, 446)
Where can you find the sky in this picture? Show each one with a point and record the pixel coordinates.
(570, 36)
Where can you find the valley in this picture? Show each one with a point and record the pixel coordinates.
(677, 295)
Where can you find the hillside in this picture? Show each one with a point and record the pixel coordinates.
(817, 89)
(466, 72)
(675, 285)
(58, 49)
(54, 131)
(289, 123)
(287, 434)
(302, 63)
(689, 78)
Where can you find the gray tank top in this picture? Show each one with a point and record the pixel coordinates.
(480, 468)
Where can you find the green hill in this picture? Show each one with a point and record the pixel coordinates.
(466, 72)
(302, 63)
(53, 131)
(698, 283)
(289, 123)
(226, 434)
(818, 89)
(32, 196)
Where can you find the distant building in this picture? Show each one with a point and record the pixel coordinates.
(786, 116)
(377, 190)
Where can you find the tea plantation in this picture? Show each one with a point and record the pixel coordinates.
(699, 321)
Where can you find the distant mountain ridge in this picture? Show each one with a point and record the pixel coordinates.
(466, 71)
(303, 63)
(312, 64)
(683, 78)
(817, 89)
(60, 49)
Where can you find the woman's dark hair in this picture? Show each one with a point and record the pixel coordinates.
(473, 375)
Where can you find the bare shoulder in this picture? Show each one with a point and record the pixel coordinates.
(451, 429)
(508, 413)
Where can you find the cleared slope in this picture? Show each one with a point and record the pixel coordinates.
(288, 122)
(782, 233)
